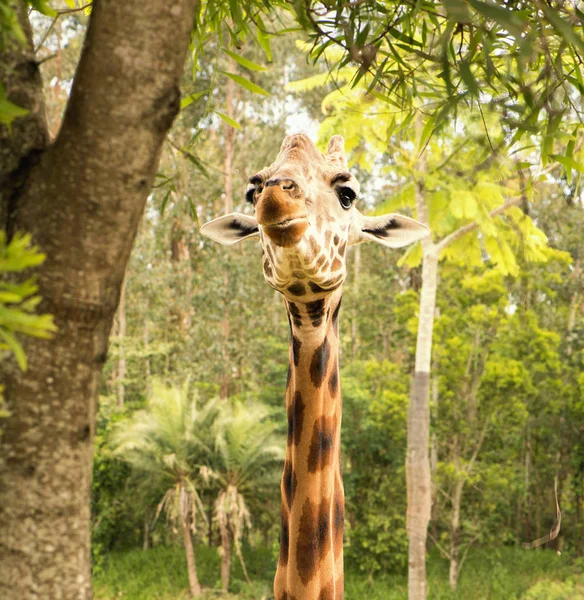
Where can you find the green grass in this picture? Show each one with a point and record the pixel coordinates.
(496, 574)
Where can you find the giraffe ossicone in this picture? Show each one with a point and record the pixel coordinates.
(305, 219)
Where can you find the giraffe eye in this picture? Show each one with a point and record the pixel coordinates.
(346, 196)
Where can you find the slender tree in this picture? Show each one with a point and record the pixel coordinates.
(247, 461)
(164, 444)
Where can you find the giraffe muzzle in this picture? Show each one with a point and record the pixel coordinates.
(281, 212)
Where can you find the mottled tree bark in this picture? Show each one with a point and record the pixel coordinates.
(194, 586)
(122, 358)
(417, 458)
(81, 199)
(225, 558)
(225, 386)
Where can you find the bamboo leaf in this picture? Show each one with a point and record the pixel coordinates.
(568, 162)
(562, 27)
(427, 132)
(246, 83)
(457, 10)
(508, 20)
(244, 62)
(228, 120)
(187, 100)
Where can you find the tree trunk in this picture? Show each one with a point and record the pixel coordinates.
(417, 459)
(454, 533)
(121, 336)
(146, 540)
(225, 558)
(434, 460)
(81, 199)
(228, 208)
(194, 585)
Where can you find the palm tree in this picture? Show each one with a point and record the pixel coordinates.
(166, 445)
(247, 461)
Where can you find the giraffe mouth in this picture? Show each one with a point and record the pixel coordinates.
(287, 223)
(287, 233)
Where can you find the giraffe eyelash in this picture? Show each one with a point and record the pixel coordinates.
(250, 194)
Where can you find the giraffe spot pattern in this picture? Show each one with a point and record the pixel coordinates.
(334, 382)
(296, 345)
(338, 519)
(297, 289)
(327, 238)
(336, 240)
(337, 264)
(319, 363)
(289, 483)
(327, 592)
(316, 288)
(284, 539)
(336, 316)
(295, 418)
(320, 261)
(315, 311)
(342, 249)
(313, 539)
(313, 246)
(320, 454)
(296, 317)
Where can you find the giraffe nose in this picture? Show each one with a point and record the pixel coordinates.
(288, 185)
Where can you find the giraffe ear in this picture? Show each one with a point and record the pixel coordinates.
(393, 231)
(230, 229)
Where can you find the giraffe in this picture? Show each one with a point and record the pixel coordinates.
(305, 219)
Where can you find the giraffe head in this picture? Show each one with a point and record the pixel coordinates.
(305, 218)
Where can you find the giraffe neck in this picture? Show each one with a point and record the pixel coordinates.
(310, 565)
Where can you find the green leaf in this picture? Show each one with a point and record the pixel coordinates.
(468, 78)
(562, 27)
(427, 132)
(246, 83)
(187, 100)
(508, 20)
(568, 162)
(8, 110)
(228, 120)
(402, 37)
(43, 8)
(457, 10)
(412, 257)
(164, 202)
(198, 164)
(264, 42)
(11, 343)
(244, 62)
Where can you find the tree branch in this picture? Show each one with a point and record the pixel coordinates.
(455, 235)
(29, 135)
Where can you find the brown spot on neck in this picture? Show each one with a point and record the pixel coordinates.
(319, 363)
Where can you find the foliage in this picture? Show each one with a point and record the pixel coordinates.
(165, 445)
(509, 336)
(504, 574)
(520, 60)
(18, 301)
(375, 404)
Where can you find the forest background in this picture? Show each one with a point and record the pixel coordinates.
(200, 339)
